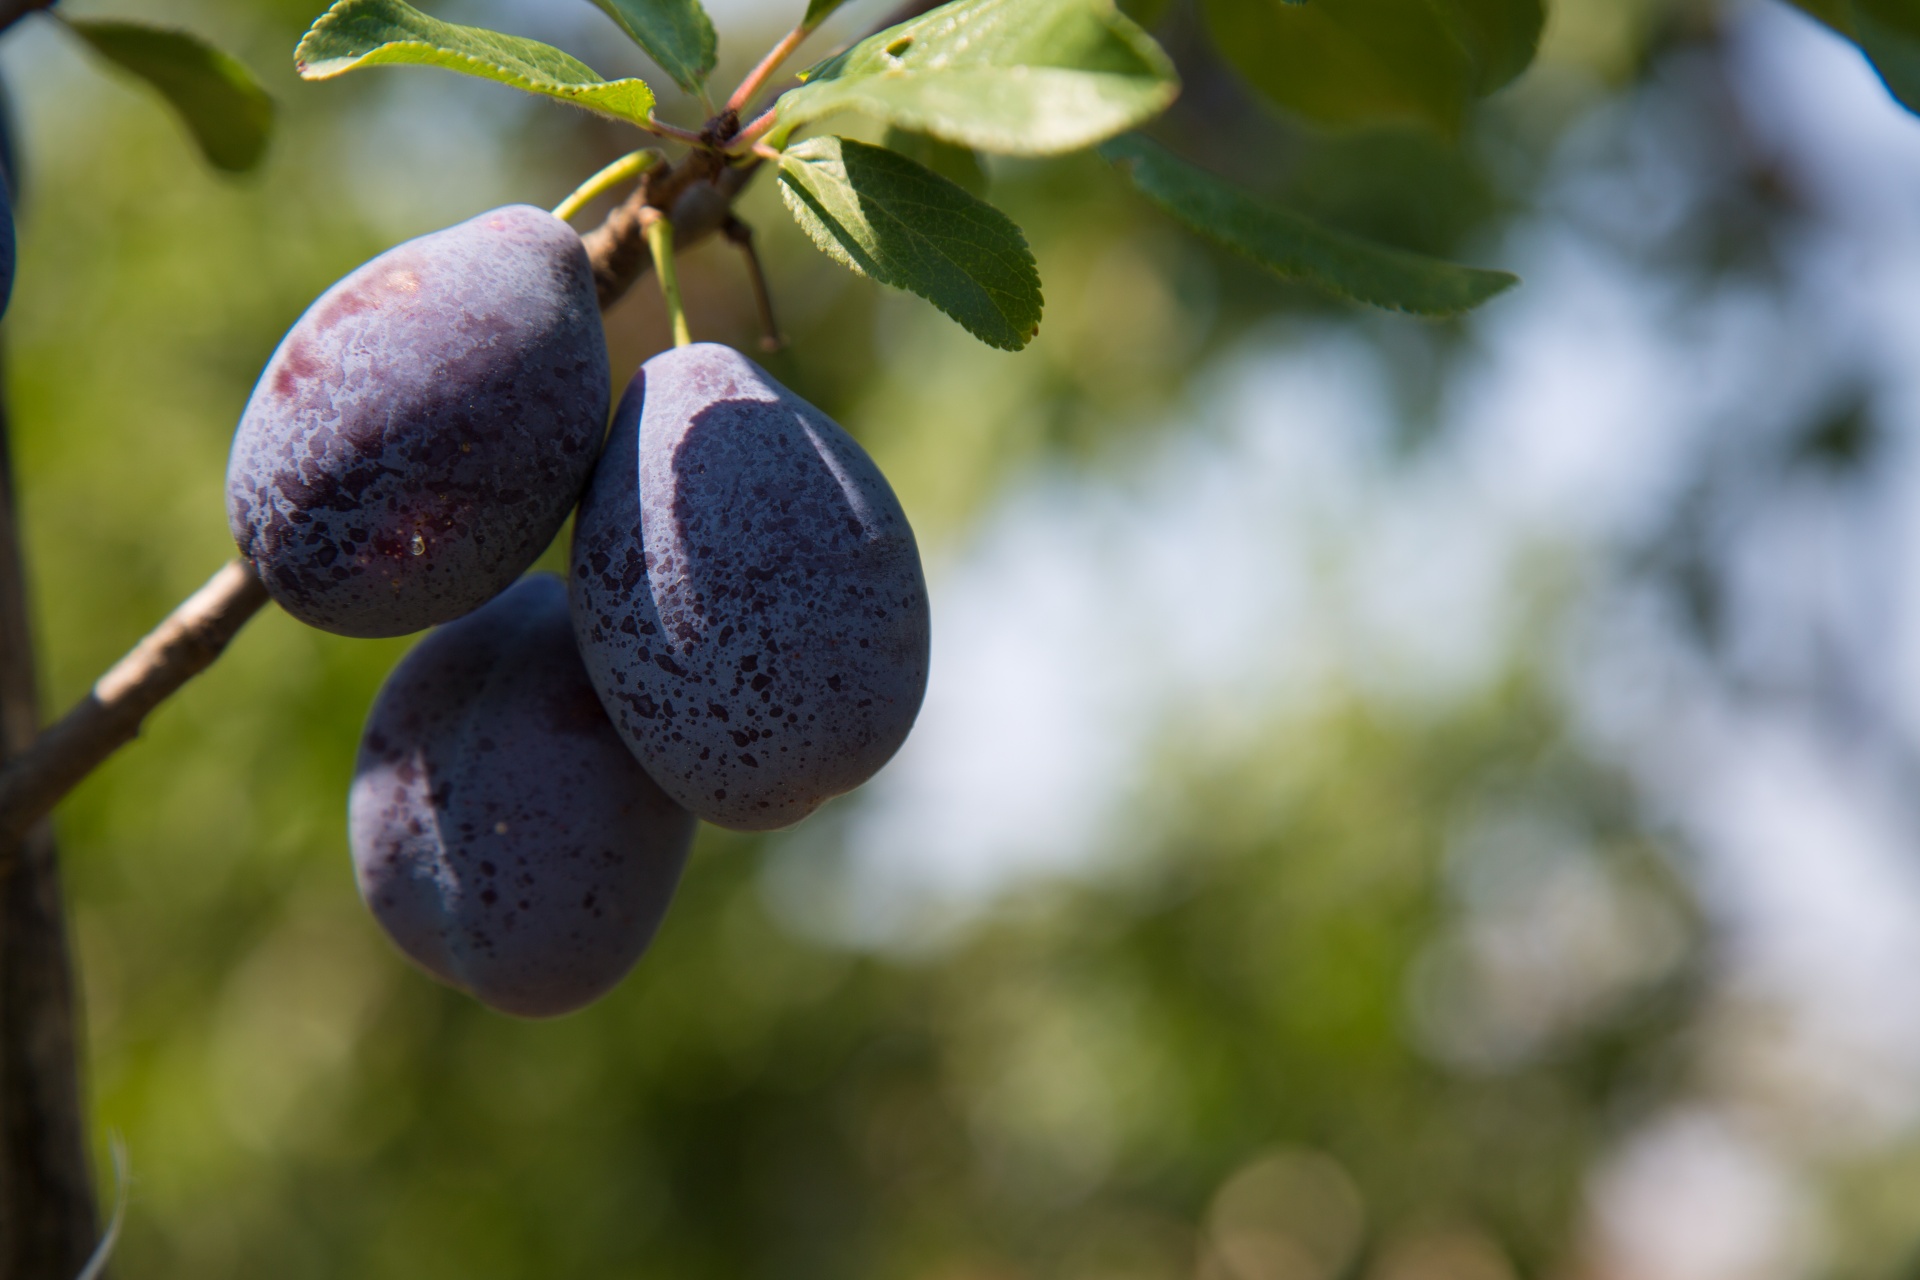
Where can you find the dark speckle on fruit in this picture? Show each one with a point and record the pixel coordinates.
(423, 430)
(487, 748)
(761, 530)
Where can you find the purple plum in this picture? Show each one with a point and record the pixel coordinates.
(747, 593)
(424, 429)
(502, 833)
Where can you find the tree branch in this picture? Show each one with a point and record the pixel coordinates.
(700, 192)
(179, 649)
(46, 1192)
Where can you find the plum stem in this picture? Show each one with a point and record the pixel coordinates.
(740, 235)
(748, 139)
(659, 229)
(626, 168)
(759, 76)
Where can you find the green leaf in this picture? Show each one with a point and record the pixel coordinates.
(1298, 248)
(882, 215)
(677, 34)
(1026, 77)
(1887, 31)
(1358, 62)
(818, 11)
(958, 165)
(225, 109)
(371, 33)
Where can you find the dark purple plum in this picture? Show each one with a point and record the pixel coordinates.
(503, 835)
(423, 430)
(747, 593)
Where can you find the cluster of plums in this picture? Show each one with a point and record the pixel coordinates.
(743, 634)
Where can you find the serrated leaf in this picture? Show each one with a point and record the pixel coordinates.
(958, 165)
(1888, 33)
(229, 115)
(1359, 62)
(1024, 77)
(370, 33)
(677, 34)
(880, 214)
(1299, 248)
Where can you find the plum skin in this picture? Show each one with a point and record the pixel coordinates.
(747, 593)
(502, 833)
(422, 431)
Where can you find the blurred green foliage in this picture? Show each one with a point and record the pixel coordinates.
(1273, 1025)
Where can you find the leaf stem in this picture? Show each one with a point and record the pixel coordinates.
(759, 76)
(626, 168)
(659, 229)
(656, 125)
(744, 140)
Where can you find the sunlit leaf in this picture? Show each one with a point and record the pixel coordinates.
(226, 110)
(884, 216)
(1297, 247)
(1352, 62)
(369, 33)
(1025, 77)
(677, 34)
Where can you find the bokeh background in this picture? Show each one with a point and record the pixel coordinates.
(1397, 800)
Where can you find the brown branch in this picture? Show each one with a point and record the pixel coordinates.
(110, 716)
(700, 190)
(46, 1192)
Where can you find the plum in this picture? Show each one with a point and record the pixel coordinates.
(502, 833)
(423, 430)
(746, 593)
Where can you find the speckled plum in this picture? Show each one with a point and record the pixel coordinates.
(423, 430)
(503, 835)
(747, 593)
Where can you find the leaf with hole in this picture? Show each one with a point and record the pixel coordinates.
(1024, 77)
(1361, 62)
(371, 33)
(229, 115)
(677, 34)
(1298, 248)
(884, 216)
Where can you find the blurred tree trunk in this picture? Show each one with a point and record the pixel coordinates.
(47, 1222)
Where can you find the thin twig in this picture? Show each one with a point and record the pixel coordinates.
(176, 651)
(691, 137)
(768, 65)
(740, 235)
(749, 137)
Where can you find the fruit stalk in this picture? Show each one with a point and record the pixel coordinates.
(659, 229)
